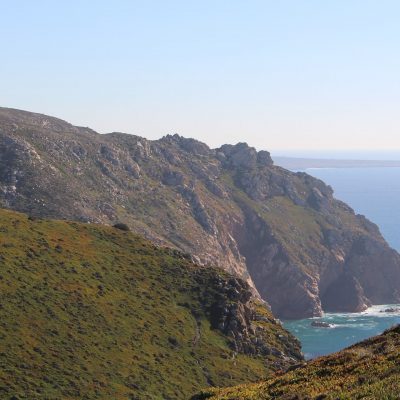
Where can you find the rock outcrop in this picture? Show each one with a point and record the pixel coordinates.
(245, 321)
(284, 233)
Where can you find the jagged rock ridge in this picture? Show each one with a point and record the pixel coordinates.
(284, 233)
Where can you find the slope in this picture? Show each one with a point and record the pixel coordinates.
(367, 370)
(93, 312)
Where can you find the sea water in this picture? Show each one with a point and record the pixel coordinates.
(345, 329)
(375, 193)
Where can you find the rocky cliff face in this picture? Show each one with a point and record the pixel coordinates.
(284, 233)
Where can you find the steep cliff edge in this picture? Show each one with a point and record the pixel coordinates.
(283, 232)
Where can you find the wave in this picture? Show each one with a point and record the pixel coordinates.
(373, 311)
(380, 310)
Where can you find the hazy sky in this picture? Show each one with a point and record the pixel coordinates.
(277, 74)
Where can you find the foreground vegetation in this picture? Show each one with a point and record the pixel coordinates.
(367, 370)
(95, 312)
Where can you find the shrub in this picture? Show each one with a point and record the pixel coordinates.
(122, 227)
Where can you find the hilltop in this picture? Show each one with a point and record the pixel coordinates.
(95, 312)
(300, 249)
(367, 370)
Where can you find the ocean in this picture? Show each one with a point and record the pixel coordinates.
(375, 193)
(346, 329)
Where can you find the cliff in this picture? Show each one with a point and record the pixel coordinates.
(300, 249)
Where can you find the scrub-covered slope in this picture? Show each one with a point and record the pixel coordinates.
(367, 370)
(92, 312)
(281, 231)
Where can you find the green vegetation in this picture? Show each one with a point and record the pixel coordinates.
(368, 370)
(95, 312)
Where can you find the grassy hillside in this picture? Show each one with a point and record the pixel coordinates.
(368, 370)
(93, 312)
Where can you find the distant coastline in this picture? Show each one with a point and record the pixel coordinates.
(297, 163)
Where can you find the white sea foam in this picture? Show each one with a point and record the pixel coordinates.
(373, 311)
(379, 310)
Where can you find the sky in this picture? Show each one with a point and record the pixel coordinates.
(280, 75)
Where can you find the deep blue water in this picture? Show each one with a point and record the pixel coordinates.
(374, 192)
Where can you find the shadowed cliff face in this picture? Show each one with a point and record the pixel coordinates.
(283, 232)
